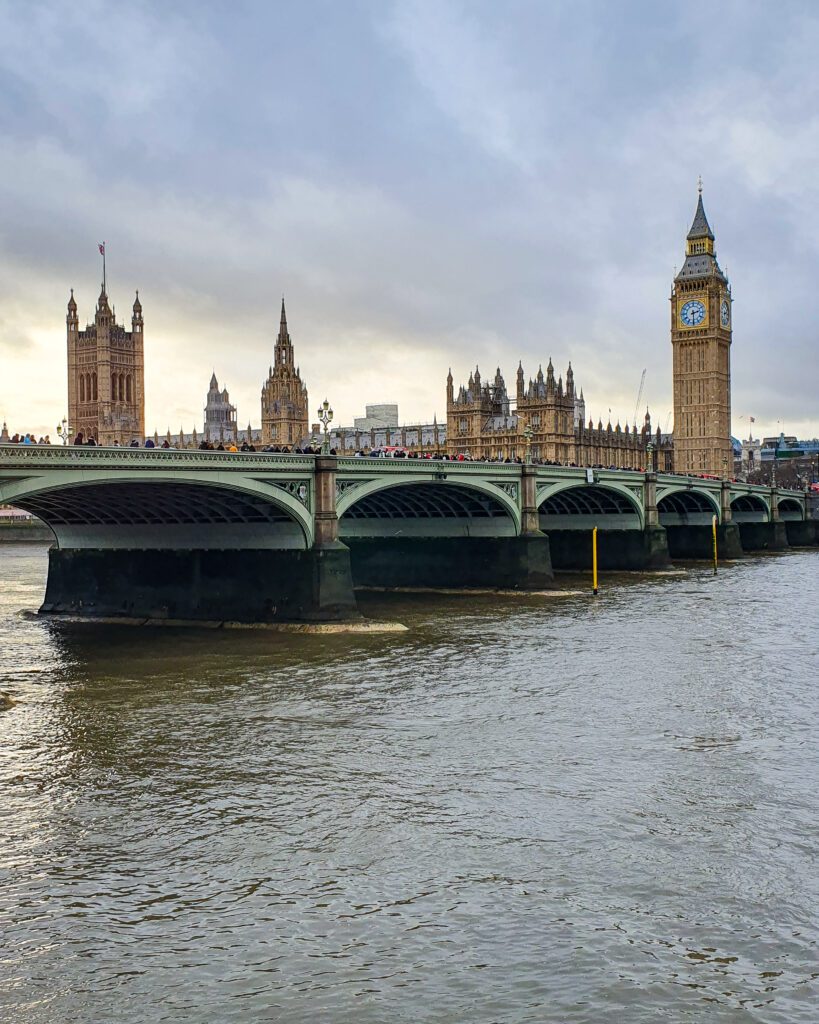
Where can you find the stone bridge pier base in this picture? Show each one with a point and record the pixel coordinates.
(494, 563)
(617, 550)
(201, 585)
(697, 542)
(764, 536)
(332, 595)
(802, 532)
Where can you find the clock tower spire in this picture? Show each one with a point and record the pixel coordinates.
(701, 345)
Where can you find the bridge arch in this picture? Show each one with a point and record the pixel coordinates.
(142, 510)
(750, 508)
(682, 506)
(427, 507)
(790, 509)
(579, 506)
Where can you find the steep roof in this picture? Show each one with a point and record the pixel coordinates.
(700, 228)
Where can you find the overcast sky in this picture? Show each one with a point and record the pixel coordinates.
(431, 184)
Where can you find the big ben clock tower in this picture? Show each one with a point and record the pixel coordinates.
(701, 343)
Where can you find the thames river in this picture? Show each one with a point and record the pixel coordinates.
(560, 809)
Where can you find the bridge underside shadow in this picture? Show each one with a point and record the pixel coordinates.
(688, 520)
(569, 517)
(188, 552)
(441, 536)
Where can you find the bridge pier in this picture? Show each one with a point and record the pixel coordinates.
(697, 542)
(802, 532)
(771, 536)
(203, 585)
(496, 563)
(617, 550)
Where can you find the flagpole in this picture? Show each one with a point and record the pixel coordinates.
(104, 281)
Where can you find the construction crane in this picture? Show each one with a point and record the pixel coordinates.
(668, 421)
(639, 396)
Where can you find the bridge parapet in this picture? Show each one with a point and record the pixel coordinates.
(48, 456)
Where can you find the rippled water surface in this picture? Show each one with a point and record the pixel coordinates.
(523, 809)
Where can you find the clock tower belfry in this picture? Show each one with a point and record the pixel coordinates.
(701, 344)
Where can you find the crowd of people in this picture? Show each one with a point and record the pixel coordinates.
(28, 439)
(380, 453)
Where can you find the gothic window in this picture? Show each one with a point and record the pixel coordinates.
(121, 384)
(88, 394)
(82, 388)
(93, 387)
(128, 388)
(113, 387)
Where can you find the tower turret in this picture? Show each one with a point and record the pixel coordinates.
(284, 395)
(284, 346)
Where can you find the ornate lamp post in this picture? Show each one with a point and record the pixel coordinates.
(63, 431)
(650, 457)
(724, 468)
(528, 434)
(325, 415)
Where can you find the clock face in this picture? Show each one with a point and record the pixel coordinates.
(693, 313)
(725, 313)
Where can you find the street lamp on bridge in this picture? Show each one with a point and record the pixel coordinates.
(650, 457)
(325, 415)
(63, 431)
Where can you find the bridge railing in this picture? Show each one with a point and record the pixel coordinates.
(21, 456)
(388, 465)
(16, 455)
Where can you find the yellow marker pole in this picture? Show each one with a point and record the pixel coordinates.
(714, 532)
(594, 560)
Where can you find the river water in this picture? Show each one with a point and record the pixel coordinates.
(523, 809)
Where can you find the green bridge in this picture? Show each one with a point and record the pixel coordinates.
(258, 537)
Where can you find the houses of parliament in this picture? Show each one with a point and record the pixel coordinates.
(546, 417)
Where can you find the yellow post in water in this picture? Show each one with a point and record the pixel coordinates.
(594, 560)
(714, 532)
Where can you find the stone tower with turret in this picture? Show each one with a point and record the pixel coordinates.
(106, 374)
(284, 396)
(701, 344)
(220, 415)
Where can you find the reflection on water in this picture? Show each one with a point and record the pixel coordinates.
(519, 810)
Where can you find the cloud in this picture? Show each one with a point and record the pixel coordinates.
(469, 78)
(431, 184)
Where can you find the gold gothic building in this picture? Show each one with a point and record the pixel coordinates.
(284, 396)
(701, 345)
(106, 375)
(480, 420)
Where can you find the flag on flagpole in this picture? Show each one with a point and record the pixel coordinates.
(101, 248)
(752, 419)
